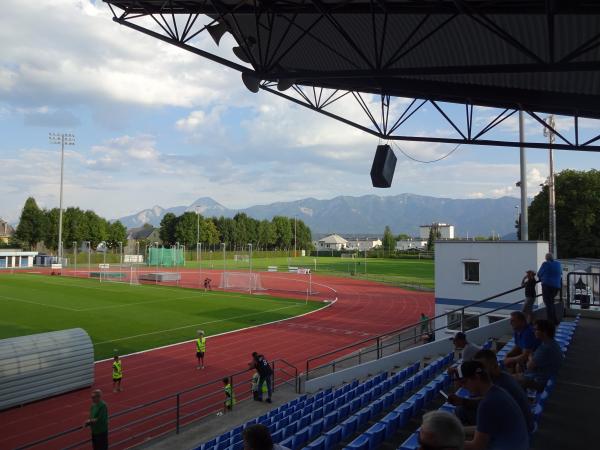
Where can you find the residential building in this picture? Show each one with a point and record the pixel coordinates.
(6, 231)
(363, 244)
(411, 244)
(446, 231)
(332, 242)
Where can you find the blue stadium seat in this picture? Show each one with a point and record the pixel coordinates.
(237, 430)
(315, 429)
(366, 398)
(209, 444)
(405, 410)
(304, 421)
(283, 423)
(224, 437)
(300, 438)
(239, 445)
(295, 416)
(349, 427)
(330, 420)
(290, 430)
(333, 436)
(328, 398)
(376, 407)
(377, 391)
(343, 412)
(398, 393)
(360, 443)
(412, 443)
(329, 407)
(360, 389)
(309, 401)
(272, 427)
(448, 407)
(339, 402)
(377, 433)
(317, 414)
(391, 421)
(307, 410)
(317, 444)
(355, 405)
(222, 445)
(287, 442)
(277, 436)
(388, 401)
(409, 385)
(319, 403)
(363, 417)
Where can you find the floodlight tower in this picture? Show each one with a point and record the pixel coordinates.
(549, 133)
(62, 139)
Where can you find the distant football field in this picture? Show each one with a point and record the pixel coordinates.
(131, 318)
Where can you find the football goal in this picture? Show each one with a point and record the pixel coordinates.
(241, 281)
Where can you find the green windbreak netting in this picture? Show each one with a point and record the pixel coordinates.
(166, 257)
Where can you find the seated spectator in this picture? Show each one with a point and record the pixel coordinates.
(467, 349)
(545, 361)
(500, 423)
(507, 382)
(525, 343)
(441, 430)
(258, 437)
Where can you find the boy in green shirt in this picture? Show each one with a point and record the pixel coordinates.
(98, 421)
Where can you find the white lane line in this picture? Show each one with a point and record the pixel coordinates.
(196, 325)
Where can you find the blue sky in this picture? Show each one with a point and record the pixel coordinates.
(157, 125)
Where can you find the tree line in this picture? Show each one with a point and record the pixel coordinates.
(37, 226)
(239, 231)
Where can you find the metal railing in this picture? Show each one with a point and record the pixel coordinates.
(378, 344)
(583, 290)
(170, 413)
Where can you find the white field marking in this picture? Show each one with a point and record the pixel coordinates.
(327, 305)
(13, 299)
(196, 325)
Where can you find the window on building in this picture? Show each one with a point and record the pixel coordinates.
(470, 321)
(471, 271)
(493, 319)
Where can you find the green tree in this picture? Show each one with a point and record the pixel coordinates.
(75, 227)
(116, 233)
(402, 237)
(388, 241)
(241, 231)
(303, 236)
(434, 233)
(186, 229)
(283, 232)
(97, 228)
(577, 214)
(265, 234)
(51, 229)
(31, 228)
(210, 232)
(167, 229)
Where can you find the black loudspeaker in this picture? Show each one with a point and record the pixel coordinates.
(383, 167)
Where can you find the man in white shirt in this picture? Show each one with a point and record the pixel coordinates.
(467, 350)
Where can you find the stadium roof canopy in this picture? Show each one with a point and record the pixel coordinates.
(540, 56)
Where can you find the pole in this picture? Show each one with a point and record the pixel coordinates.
(549, 132)
(121, 254)
(75, 255)
(60, 205)
(250, 262)
(295, 220)
(223, 276)
(197, 232)
(523, 164)
(89, 257)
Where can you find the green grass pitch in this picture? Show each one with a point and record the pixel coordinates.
(130, 318)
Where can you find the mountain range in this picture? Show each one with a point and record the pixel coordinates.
(366, 214)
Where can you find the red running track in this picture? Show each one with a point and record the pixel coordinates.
(363, 309)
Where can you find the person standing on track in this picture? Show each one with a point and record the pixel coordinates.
(200, 349)
(98, 421)
(117, 373)
(265, 375)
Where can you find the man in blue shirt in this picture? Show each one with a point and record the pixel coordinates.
(545, 361)
(500, 423)
(525, 342)
(550, 275)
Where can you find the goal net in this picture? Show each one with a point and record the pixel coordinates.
(241, 281)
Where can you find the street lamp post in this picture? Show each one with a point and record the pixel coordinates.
(295, 220)
(250, 263)
(549, 133)
(89, 251)
(75, 256)
(197, 231)
(62, 139)
(223, 276)
(121, 254)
